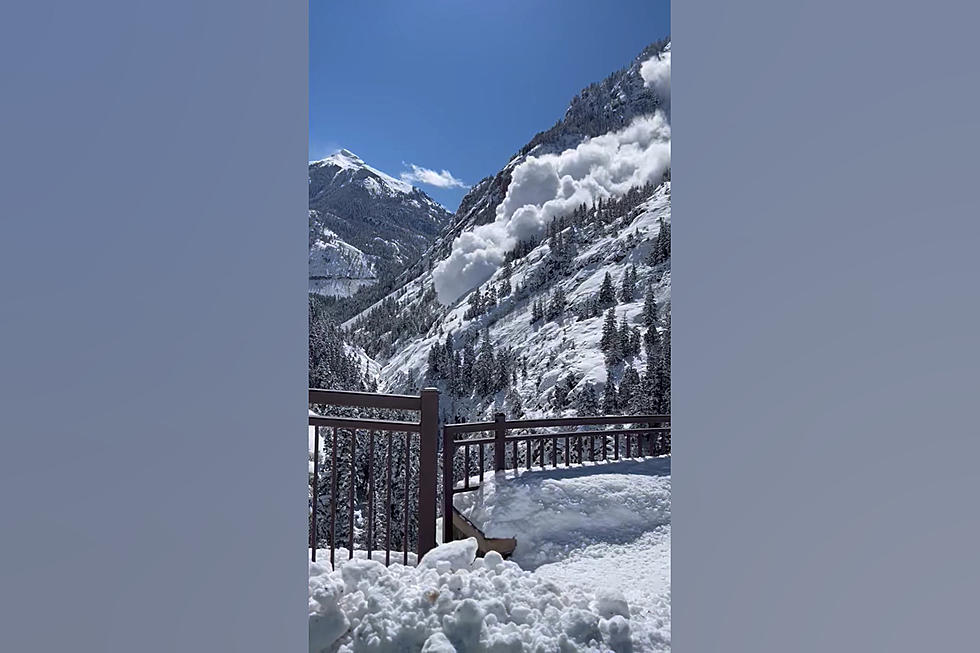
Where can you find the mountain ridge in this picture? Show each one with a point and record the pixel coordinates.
(365, 226)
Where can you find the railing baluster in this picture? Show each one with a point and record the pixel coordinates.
(554, 452)
(592, 446)
(480, 447)
(408, 476)
(350, 495)
(466, 466)
(370, 528)
(616, 446)
(568, 448)
(604, 448)
(333, 499)
(316, 489)
(388, 506)
(527, 452)
(513, 447)
(448, 457)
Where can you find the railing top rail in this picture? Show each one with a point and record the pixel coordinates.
(364, 399)
(357, 423)
(470, 427)
(565, 434)
(586, 421)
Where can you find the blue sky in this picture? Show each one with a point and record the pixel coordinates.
(459, 85)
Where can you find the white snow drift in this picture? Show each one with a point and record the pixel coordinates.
(600, 527)
(453, 601)
(597, 536)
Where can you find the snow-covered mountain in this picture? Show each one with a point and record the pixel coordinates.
(365, 225)
(553, 278)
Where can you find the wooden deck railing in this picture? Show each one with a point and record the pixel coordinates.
(516, 440)
(427, 430)
(651, 439)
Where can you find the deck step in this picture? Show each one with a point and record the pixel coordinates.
(463, 528)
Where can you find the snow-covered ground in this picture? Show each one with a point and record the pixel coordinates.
(591, 572)
(601, 525)
(453, 601)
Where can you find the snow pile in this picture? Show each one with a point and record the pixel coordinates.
(453, 601)
(602, 527)
(554, 511)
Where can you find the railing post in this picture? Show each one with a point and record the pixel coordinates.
(499, 441)
(428, 452)
(448, 450)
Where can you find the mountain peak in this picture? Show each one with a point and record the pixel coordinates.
(373, 179)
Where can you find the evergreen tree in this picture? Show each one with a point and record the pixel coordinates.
(587, 403)
(625, 338)
(629, 284)
(610, 398)
(483, 368)
(466, 369)
(663, 369)
(661, 248)
(563, 389)
(607, 294)
(557, 304)
(649, 309)
(610, 335)
(630, 392)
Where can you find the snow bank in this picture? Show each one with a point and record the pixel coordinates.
(602, 527)
(555, 511)
(453, 601)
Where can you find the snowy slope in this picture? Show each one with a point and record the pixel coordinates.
(613, 141)
(553, 349)
(335, 267)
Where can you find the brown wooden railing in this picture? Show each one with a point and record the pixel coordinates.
(630, 436)
(427, 430)
(576, 445)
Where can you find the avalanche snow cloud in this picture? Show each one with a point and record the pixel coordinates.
(655, 72)
(545, 187)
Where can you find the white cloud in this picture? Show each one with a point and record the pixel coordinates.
(420, 175)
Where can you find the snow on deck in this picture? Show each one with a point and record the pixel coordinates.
(591, 572)
(599, 526)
